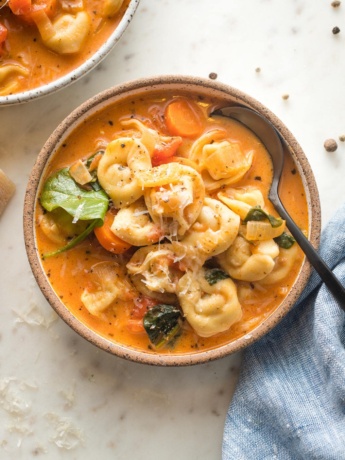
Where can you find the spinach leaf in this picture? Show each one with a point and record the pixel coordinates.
(257, 213)
(213, 275)
(60, 190)
(161, 324)
(285, 240)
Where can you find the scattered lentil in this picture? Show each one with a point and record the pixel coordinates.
(330, 145)
(258, 70)
(336, 3)
(342, 138)
(213, 76)
(335, 30)
(285, 96)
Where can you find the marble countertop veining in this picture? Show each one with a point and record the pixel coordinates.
(62, 398)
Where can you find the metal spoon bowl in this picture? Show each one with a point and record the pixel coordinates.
(269, 136)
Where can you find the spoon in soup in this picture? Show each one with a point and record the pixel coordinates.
(269, 136)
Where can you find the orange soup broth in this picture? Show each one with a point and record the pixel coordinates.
(24, 46)
(69, 272)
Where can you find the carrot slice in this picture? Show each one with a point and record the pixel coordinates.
(108, 239)
(183, 118)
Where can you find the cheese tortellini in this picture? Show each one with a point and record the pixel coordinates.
(155, 272)
(249, 262)
(214, 230)
(222, 161)
(209, 308)
(123, 159)
(66, 34)
(134, 225)
(174, 195)
(110, 285)
(9, 75)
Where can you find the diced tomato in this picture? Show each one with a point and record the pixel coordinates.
(26, 9)
(3, 33)
(20, 7)
(3, 36)
(141, 305)
(135, 326)
(165, 150)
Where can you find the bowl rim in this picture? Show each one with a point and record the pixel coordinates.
(88, 108)
(79, 72)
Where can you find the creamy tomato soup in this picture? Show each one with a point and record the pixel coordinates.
(43, 40)
(155, 229)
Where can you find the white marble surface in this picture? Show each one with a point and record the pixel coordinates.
(60, 397)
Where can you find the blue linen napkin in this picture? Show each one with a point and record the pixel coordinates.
(290, 400)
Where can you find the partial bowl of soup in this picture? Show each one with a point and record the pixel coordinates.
(46, 45)
(148, 225)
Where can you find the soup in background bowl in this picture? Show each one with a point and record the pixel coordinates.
(46, 45)
(148, 225)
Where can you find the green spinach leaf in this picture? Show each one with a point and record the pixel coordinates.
(213, 275)
(285, 240)
(60, 190)
(257, 213)
(161, 324)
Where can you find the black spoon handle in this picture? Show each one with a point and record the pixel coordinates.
(327, 276)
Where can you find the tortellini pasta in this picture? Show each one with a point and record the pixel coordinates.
(209, 309)
(134, 225)
(174, 195)
(241, 201)
(221, 160)
(214, 230)
(111, 7)
(123, 159)
(283, 265)
(110, 284)
(67, 34)
(248, 262)
(9, 75)
(149, 137)
(155, 272)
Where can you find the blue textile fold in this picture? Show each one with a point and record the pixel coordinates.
(289, 403)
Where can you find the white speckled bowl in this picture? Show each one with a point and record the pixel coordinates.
(76, 74)
(207, 88)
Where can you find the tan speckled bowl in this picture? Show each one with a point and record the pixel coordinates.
(207, 88)
(79, 72)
